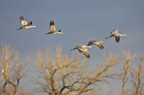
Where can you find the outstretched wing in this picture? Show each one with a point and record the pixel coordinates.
(30, 23)
(91, 42)
(52, 26)
(97, 43)
(117, 38)
(114, 31)
(85, 52)
(100, 46)
(79, 51)
(23, 22)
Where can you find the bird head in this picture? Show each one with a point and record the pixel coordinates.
(101, 41)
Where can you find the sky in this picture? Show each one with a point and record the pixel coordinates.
(80, 21)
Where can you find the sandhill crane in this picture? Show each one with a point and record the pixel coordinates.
(117, 35)
(94, 42)
(83, 48)
(24, 24)
(53, 30)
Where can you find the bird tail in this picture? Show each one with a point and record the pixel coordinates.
(48, 33)
(107, 37)
(19, 28)
(88, 44)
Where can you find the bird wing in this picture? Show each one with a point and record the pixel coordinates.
(30, 23)
(52, 26)
(100, 46)
(79, 51)
(117, 38)
(91, 42)
(114, 31)
(22, 20)
(85, 52)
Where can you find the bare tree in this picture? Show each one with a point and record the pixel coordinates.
(11, 71)
(137, 78)
(61, 75)
(125, 71)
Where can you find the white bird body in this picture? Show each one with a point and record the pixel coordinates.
(27, 26)
(116, 35)
(24, 24)
(53, 30)
(83, 48)
(97, 43)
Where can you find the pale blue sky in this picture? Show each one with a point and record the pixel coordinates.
(79, 20)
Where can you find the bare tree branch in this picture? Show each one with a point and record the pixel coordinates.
(10, 68)
(64, 75)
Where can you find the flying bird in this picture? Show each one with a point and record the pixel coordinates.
(53, 30)
(24, 24)
(97, 43)
(117, 35)
(83, 48)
